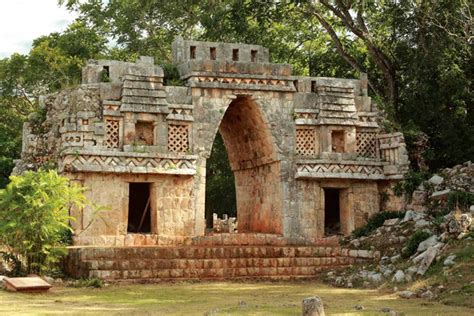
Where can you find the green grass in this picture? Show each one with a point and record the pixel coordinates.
(208, 298)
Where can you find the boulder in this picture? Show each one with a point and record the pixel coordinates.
(375, 277)
(407, 294)
(431, 241)
(428, 258)
(391, 222)
(420, 223)
(313, 306)
(399, 277)
(436, 180)
(440, 195)
(428, 295)
(449, 261)
(411, 215)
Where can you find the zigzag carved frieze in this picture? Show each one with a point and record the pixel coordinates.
(272, 82)
(339, 170)
(120, 164)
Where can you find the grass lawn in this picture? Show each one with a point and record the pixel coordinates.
(214, 298)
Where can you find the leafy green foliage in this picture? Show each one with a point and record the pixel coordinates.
(34, 216)
(220, 186)
(409, 184)
(171, 75)
(460, 199)
(412, 244)
(375, 222)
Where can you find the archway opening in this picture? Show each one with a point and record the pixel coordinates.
(253, 161)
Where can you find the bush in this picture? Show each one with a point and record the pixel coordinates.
(412, 244)
(375, 222)
(409, 184)
(34, 218)
(460, 199)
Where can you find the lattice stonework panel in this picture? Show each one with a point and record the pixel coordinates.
(366, 144)
(112, 133)
(306, 141)
(178, 138)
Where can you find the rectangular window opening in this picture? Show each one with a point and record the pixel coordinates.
(105, 74)
(313, 86)
(253, 55)
(337, 139)
(212, 51)
(332, 210)
(192, 52)
(235, 54)
(139, 208)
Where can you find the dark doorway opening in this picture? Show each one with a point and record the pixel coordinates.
(332, 218)
(139, 210)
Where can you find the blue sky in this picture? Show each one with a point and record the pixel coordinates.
(21, 21)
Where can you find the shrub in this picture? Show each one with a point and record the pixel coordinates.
(460, 199)
(34, 218)
(375, 222)
(412, 244)
(409, 184)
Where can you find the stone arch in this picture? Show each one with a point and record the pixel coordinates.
(253, 158)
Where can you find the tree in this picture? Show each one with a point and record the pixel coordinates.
(34, 216)
(54, 62)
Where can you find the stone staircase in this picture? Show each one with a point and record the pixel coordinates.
(209, 262)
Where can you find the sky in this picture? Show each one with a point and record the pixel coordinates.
(21, 21)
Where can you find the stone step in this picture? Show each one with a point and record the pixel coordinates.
(214, 252)
(155, 262)
(211, 273)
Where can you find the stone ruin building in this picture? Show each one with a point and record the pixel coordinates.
(309, 158)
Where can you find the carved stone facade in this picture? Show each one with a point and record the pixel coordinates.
(308, 154)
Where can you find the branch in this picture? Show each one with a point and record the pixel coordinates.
(340, 48)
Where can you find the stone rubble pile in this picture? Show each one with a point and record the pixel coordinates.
(397, 264)
(438, 187)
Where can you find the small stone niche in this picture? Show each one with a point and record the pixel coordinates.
(253, 55)
(192, 52)
(212, 52)
(235, 54)
(337, 142)
(144, 133)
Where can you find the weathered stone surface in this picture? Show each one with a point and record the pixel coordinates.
(431, 241)
(428, 258)
(313, 306)
(436, 180)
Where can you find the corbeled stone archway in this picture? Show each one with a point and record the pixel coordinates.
(253, 160)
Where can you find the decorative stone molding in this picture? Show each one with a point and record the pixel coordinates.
(324, 169)
(126, 162)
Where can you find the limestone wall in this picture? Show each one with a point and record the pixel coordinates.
(358, 201)
(172, 208)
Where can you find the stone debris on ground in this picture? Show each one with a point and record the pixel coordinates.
(396, 264)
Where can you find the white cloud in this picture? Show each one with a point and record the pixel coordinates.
(21, 21)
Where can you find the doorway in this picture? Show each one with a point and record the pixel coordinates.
(139, 209)
(332, 212)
